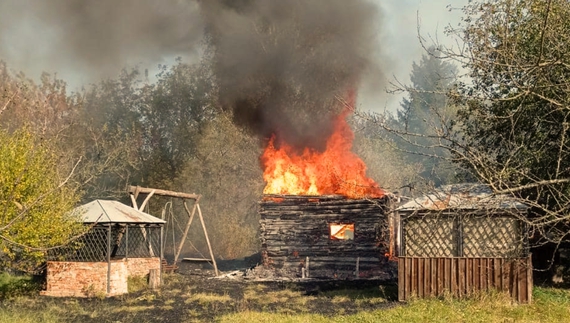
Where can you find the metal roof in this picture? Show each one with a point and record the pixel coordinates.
(105, 211)
(463, 196)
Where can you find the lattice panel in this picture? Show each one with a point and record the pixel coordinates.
(430, 237)
(134, 241)
(463, 236)
(492, 237)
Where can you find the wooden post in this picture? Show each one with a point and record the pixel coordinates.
(109, 259)
(154, 278)
(207, 240)
(307, 267)
(185, 234)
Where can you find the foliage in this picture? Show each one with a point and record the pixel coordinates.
(35, 202)
(226, 171)
(424, 114)
(17, 286)
(513, 125)
(386, 164)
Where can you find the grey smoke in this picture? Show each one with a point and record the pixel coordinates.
(280, 65)
(98, 37)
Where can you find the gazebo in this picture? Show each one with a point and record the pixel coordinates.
(460, 239)
(121, 242)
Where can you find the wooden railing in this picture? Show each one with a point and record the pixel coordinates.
(461, 276)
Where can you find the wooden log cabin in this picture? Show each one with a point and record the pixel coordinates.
(326, 237)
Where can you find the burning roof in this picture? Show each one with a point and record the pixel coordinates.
(467, 196)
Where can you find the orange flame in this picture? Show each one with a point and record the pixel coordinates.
(335, 171)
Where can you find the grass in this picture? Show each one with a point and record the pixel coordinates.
(550, 305)
(14, 286)
(185, 300)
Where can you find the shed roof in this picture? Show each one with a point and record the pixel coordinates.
(463, 196)
(105, 211)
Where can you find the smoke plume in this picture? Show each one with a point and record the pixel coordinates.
(97, 38)
(280, 65)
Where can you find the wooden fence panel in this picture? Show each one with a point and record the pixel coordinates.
(461, 276)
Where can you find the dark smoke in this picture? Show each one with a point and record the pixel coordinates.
(280, 64)
(99, 37)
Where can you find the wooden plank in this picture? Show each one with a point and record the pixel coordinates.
(440, 276)
(454, 288)
(197, 259)
(427, 273)
(409, 278)
(434, 276)
(401, 279)
(415, 277)
(420, 283)
(514, 279)
(462, 278)
(468, 275)
(145, 190)
(529, 278)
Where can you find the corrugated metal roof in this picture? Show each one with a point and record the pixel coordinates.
(463, 196)
(105, 211)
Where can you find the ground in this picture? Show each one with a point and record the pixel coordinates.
(193, 294)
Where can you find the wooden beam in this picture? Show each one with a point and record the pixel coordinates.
(146, 190)
(185, 234)
(207, 240)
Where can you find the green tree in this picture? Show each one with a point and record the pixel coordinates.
(424, 114)
(35, 199)
(514, 122)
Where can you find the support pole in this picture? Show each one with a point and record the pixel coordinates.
(109, 259)
(161, 251)
(185, 234)
(207, 240)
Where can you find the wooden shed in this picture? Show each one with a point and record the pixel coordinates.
(325, 237)
(462, 239)
(121, 242)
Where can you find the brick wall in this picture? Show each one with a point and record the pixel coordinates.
(142, 266)
(87, 279)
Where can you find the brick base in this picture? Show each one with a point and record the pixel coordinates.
(87, 279)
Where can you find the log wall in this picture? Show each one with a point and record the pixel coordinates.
(295, 229)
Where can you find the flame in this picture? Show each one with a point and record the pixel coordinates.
(335, 171)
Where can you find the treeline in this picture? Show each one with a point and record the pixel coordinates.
(169, 134)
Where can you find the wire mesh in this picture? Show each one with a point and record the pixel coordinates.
(126, 241)
(439, 235)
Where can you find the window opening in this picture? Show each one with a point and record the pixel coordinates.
(344, 231)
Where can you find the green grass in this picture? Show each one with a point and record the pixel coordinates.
(550, 305)
(14, 286)
(188, 301)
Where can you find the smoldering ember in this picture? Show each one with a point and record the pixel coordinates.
(221, 160)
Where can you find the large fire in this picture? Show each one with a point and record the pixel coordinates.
(334, 171)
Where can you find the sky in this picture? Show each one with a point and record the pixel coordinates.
(27, 44)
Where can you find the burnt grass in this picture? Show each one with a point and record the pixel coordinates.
(192, 295)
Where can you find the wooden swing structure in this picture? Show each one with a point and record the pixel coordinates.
(134, 192)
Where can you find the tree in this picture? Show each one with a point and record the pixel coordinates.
(35, 200)
(423, 112)
(513, 125)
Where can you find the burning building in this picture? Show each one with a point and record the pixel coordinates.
(321, 217)
(289, 72)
